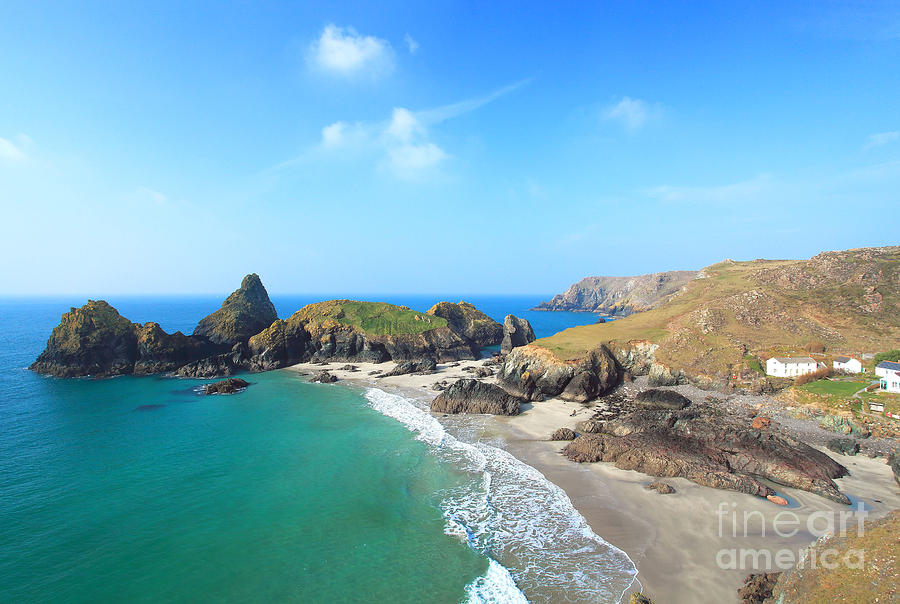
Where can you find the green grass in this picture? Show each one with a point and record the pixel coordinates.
(833, 388)
(374, 318)
(754, 364)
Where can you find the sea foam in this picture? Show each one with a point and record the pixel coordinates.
(538, 543)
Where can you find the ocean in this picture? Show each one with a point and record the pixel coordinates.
(141, 489)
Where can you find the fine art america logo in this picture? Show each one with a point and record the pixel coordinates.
(786, 524)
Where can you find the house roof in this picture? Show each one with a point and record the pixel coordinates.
(797, 360)
(842, 360)
(888, 365)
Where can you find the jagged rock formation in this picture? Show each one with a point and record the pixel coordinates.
(472, 396)
(469, 322)
(619, 296)
(660, 487)
(229, 386)
(733, 311)
(757, 587)
(244, 313)
(705, 445)
(96, 340)
(516, 332)
(535, 373)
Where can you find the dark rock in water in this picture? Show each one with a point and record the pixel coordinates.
(601, 320)
(420, 367)
(323, 377)
(661, 399)
(516, 332)
(844, 446)
(472, 396)
(469, 322)
(705, 445)
(637, 598)
(536, 373)
(149, 407)
(757, 587)
(563, 434)
(246, 312)
(660, 487)
(229, 386)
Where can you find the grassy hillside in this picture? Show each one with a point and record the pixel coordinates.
(847, 301)
(373, 318)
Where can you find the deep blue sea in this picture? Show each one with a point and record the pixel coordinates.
(141, 489)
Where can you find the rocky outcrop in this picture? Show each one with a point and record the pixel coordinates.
(229, 386)
(661, 399)
(323, 377)
(96, 340)
(563, 434)
(660, 487)
(469, 322)
(227, 363)
(757, 587)
(535, 373)
(620, 296)
(710, 448)
(516, 332)
(472, 396)
(244, 313)
(421, 367)
(894, 463)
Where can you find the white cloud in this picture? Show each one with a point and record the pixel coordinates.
(632, 113)
(411, 44)
(401, 144)
(882, 138)
(343, 51)
(10, 151)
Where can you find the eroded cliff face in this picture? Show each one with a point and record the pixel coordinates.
(619, 296)
(516, 332)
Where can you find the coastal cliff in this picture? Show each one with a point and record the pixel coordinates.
(95, 340)
(734, 312)
(619, 296)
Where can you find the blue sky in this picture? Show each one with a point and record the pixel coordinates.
(437, 147)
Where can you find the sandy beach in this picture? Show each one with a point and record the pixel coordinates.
(695, 545)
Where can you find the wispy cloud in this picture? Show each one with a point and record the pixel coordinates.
(882, 138)
(345, 52)
(10, 151)
(739, 192)
(147, 196)
(411, 44)
(402, 144)
(631, 113)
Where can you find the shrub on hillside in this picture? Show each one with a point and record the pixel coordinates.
(819, 374)
(814, 347)
(890, 355)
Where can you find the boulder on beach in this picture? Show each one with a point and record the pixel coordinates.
(661, 399)
(535, 373)
(563, 434)
(419, 367)
(323, 377)
(844, 446)
(660, 487)
(472, 396)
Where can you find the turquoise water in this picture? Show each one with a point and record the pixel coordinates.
(141, 489)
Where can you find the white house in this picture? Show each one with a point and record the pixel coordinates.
(890, 382)
(790, 366)
(847, 365)
(885, 367)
